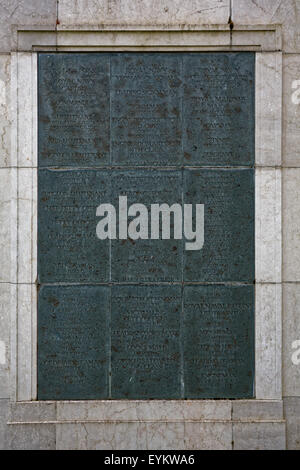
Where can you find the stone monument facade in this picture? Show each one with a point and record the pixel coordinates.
(136, 341)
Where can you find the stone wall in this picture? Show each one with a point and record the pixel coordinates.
(40, 430)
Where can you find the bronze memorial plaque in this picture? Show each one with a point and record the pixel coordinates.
(146, 225)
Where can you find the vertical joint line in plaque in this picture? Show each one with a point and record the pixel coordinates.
(110, 241)
(181, 345)
(182, 158)
(110, 154)
(109, 343)
(182, 391)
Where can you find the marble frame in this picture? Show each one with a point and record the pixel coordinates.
(266, 42)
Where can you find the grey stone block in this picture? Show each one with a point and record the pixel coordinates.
(291, 110)
(5, 114)
(31, 436)
(146, 436)
(257, 409)
(5, 295)
(208, 436)
(292, 417)
(291, 330)
(261, 12)
(4, 415)
(147, 12)
(259, 436)
(33, 411)
(24, 12)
